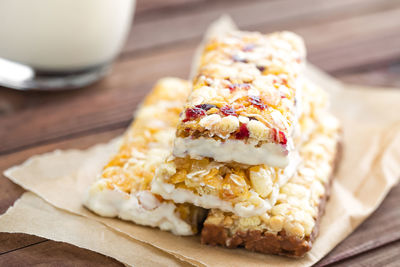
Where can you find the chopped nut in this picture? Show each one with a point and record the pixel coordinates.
(249, 222)
(243, 119)
(294, 229)
(257, 130)
(276, 223)
(217, 220)
(261, 180)
(265, 218)
(228, 125)
(281, 209)
(167, 169)
(291, 189)
(209, 122)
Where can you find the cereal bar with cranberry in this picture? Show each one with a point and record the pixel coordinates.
(245, 190)
(292, 224)
(244, 106)
(123, 187)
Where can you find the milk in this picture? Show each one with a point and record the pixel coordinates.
(63, 35)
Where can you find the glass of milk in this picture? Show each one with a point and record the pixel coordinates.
(60, 44)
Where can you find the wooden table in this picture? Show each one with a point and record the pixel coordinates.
(357, 41)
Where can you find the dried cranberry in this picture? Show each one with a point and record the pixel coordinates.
(261, 68)
(193, 113)
(274, 135)
(279, 137)
(243, 132)
(256, 101)
(235, 86)
(206, 106)
(227, 110)
(282, 138)
(237, 58)
(248, 47)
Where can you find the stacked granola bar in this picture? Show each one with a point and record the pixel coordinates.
(254, 143)
(243, 105)
(291, 225)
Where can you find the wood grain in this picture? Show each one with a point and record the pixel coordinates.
(386, 74)
(357, 41)
(109, 104)
(378, 230)
(69, 113)
(171, 27)
(11, 242)
(156, 5)
(51, 253)
(387, 256)
(10, 192)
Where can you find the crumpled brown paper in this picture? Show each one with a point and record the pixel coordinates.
(369, 168)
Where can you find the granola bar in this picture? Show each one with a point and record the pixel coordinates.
(245, 190)
(291, 225)
(242, 107)
(123, 187)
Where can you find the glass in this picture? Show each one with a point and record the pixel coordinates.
(60, 44)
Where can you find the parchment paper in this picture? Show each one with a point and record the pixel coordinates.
(369, 168)
(52, 223)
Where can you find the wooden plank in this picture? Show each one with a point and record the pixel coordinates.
(10, 242)
(387, 75)
(355, 33)
(362, 41)
(11, 192)
(113, 99)
(52, 253)
(383, 214)
(155, 30)
(110, 103)
(378, 230)
(387, 256)
(144, 6)
(70, 113)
